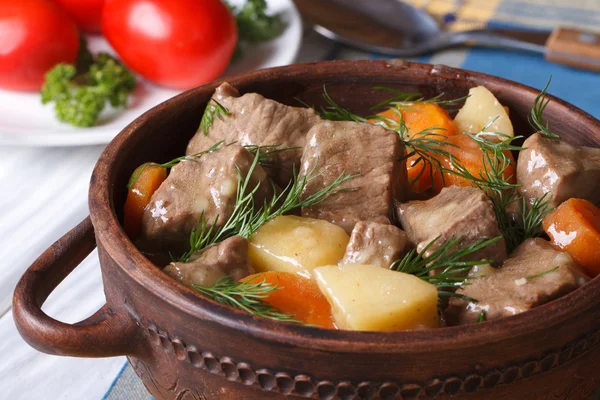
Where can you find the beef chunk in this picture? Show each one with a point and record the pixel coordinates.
(375, 244)
(560, 169)
(507, 291)
(207, 184)
(255, 120)
(373, 152)
(230, 257)
(456, 212)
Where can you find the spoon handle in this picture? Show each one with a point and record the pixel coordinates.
(573, 47)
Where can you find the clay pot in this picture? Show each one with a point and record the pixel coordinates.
(185, 346)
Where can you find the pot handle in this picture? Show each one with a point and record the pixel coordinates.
(107, 333)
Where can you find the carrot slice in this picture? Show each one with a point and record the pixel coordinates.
(297, 295)
(419, 117)
(147, 178)
(470, 155)
(574, 227)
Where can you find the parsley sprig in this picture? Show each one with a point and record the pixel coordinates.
(80, 93)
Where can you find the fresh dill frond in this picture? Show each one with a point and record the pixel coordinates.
(205, 233)
(449, 264)
(501, 143)
(291, 198)
(212, 111)
(264, 152)
(482, 317)
(245, 220)
(542, 273)
(247, 296)
(526, 223)
(536, 119)
(335, 112)
(404, 100)
(173, 162)
(532, 217)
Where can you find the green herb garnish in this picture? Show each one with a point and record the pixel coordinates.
(255, 25)
(246, 296)
(245, 220)
(449, 264)
(537, 114)
(173, 162)
(542, 273)
(264, 152)
(404, 100)
(212, 111)
(80, 94)
(482, 317)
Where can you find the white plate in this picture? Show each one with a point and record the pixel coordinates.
(25, 121)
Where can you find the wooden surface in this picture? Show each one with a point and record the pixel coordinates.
(189, 347)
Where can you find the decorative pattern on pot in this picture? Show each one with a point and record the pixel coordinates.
(305, 386)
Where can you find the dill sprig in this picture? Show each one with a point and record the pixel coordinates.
(291, 198)
(173, 162)
(247, 296)
(542, 273)
(537, 114)
(205, 233)
(482, 317)
(404, 100)
(266, 151)
(245, 220)
(526, 223)
(449, 264)
(399, 100)
(428, 147)
(335, 112)
(212, 111)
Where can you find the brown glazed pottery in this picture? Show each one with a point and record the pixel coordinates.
(185, 346)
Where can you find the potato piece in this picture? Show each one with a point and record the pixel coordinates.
(296, 244)
(370, 298)
(480, 109)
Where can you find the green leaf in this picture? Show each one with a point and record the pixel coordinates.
(79, 96)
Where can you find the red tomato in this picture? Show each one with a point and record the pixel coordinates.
(87, 14)
(35, 35)
(179, 44)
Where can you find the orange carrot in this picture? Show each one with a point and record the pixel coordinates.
(419, 117)
(297, 295)
(146, 179)
(470, 155)
(423, 116)
(574, 227)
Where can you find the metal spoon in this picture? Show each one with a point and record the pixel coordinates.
(395, 28)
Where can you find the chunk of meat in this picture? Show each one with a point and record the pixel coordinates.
(230, 257)
(520, 285)
(375, 244)
(255, 120)
(456, 212)
(560, 169)
(347, 147)
(207, 184)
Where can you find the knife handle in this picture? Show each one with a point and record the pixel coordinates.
(574, 47)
